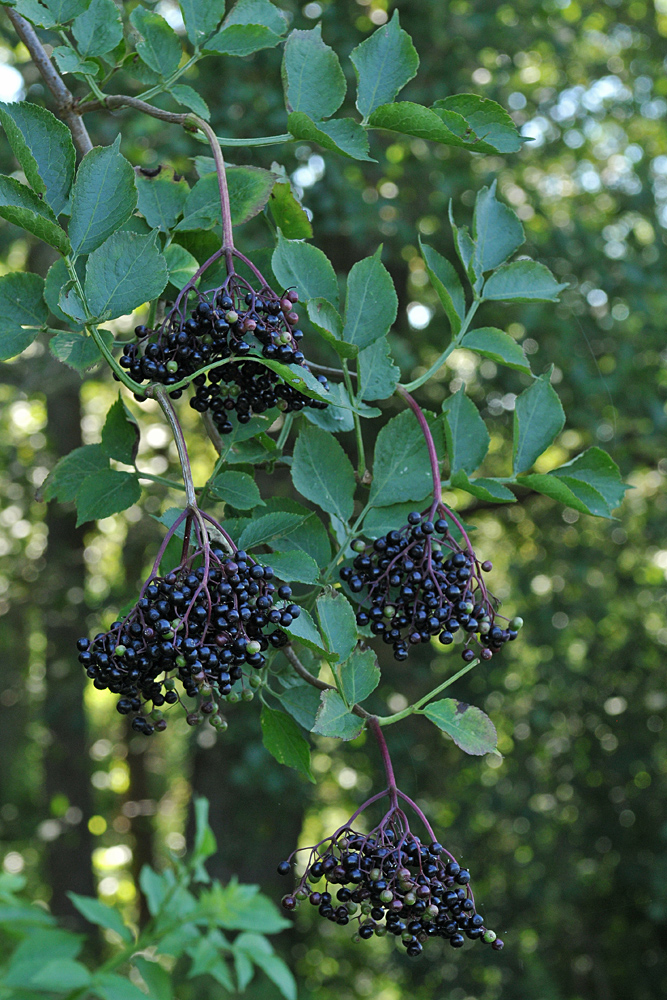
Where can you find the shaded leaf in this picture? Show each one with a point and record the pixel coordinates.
(158, 46)
(341, 135)
(103, 197)
(446, 283)
(371, 303)
(124, 272)
(359, 675)
(78, 350)
(44, 148)
(468, 726)
(496, 229)
(384, 62)
(263, 529)
(104, 916)
(104, 493)
(322, 472)
(98, 30)
(538, 418)
(284, 741)
(238, 489)
(161, 198)
(498, 346)
(312, 77)
(378, 376)
(21, 304)
(304, 630)
(201, 17)
(288, 213)
(302, 266)
(467, 437)
(335, 719)
(20, 205)
(522, 281)
(401, 466)
(65, 481)
(483, 489)
(490, 123)
(302, 701)
(293, 567)
(337, 623)
(120, 434)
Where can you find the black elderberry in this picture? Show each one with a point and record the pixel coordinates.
(199, 624)
(234, 323)
(418, 583)
(399, 882)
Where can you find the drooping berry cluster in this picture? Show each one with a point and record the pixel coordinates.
(233, 321)
(418, 582)
(199, 624)
(388, 881)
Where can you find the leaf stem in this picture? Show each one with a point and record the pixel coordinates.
(416, 708)
(374, 726)
(361, 456)
(167, 408)
(454, 343)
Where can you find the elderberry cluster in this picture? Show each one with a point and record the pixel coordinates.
(199, 626)
(233, 321)
(391, 883)
(418, 583)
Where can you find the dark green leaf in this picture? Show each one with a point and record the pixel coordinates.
(57, 277)
(381, 520)
(190, 98)
(335, 719)
(288, 213)
(414, 119)
(522, 281)
(98, 30)
(181, 265)
(341, 135)
(104, 493)
(103, 197)
(552, 486)
(338, 418)
(249, 190)
(304, 630)
(120, 434)
(371, 303)
(45, 944)
(484, 489)
(20, 205)
(401, 466)
(491, 125)
(33, 11)
(329, 323)
(201, 17)
(467, 437)
(68, 61)
(156, 978)
(78, 350)
(538, 418)
(208, 960)
(158, 46)
(243, 39)
(238, 489)
(310, 537)
(154, 887)
(595, 471)
(378, 375)
(124, 272)
(284, 741)
(267, 527)
(465, 248)
(161, 198)
(43, 146)
(205, 844)
(338, 623)
(103, 916)
(70, 472)
(384, 63)
(312, 77)
(359, 676)
(250, 25)
(64, 10)
(21, 304)
(304, 267)
(322, 472)
(446, 283)
(302, 701)
(468, 726)
(293, 567)
(109, 986)
(498, 346)
(496, 230)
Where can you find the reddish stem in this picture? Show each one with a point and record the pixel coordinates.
(376, 728)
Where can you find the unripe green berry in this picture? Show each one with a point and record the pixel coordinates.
(172, 367)
(380, 930)
(375, 874)
(366, 908)
(156, 714)
(180, 662)
(386, 896)
(302, 894)
(389, 611)
(409, 899)
(233, 698)
(232, 316)
(169, 683)
(313, 877)
(120, 651)
(516, 624)
(351, 908)
(489, 937)
(247, 695)
(253, 646)
(358, 545)
(218, 722)
(255, 681)
(406, 936)
(484, 628)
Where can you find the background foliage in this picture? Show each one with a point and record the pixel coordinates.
(566, 835)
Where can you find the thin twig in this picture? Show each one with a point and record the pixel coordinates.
(65, 103)
(114, 102)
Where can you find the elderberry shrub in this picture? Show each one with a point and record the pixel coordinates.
(417, 582)
(232, 321)
(388, 882)
(199, 625)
